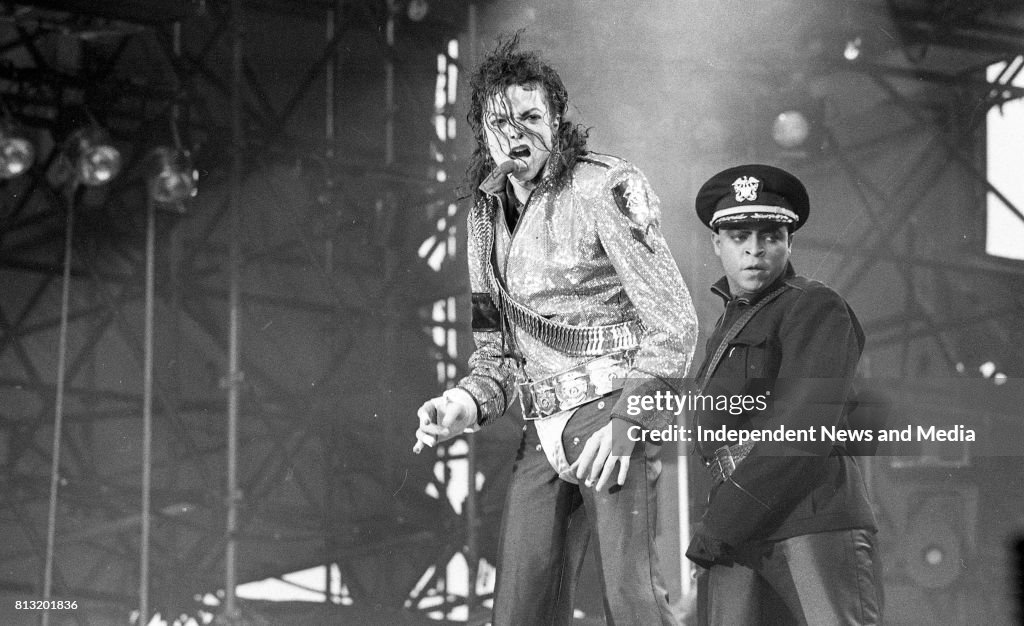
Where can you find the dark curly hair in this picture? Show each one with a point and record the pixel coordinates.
(507, 66)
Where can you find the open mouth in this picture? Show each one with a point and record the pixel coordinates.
(520, 152)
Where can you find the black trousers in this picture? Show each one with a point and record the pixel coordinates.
(549, 522)
(824, 578)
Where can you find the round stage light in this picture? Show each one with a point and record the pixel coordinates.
(851, 52)
(790, 129)
(172, 178)
(95, 159)
(933, 551)
(417, 10)
(17, 152)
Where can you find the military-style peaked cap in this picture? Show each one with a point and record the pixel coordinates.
(753, 193)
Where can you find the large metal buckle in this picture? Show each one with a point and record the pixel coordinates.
(574, 387)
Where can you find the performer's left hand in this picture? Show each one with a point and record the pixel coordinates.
(605, 455)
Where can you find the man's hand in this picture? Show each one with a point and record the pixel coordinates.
(602, 452)
(444, 417)
(706, 551)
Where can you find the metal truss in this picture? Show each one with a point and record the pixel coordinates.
(906, 218)
(339, 191)
(346, 323)
(901, 180)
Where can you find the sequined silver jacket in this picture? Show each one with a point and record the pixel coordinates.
(587, 253)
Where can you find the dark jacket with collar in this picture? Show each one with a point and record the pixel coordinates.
(800, 351)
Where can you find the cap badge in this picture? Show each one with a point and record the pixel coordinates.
(746, 188)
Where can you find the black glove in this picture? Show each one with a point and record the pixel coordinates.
(705, 550)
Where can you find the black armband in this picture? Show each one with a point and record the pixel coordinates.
(485, 314)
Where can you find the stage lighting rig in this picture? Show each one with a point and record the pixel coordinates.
(171, 177)
(17, 150)
(93, 157)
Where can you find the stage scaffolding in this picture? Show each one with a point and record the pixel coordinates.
(307, 301)
(314, 293)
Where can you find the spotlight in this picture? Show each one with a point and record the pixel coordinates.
(793, 125)
(991, 371)
(790, 129)
(851, 52)
(95, 160)
(172, 179)
(17, 152)
(417, 10)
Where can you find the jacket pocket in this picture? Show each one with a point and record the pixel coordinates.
(747, 354)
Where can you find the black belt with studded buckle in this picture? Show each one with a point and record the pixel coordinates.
(575, 386)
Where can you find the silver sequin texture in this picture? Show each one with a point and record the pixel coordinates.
(575, 257)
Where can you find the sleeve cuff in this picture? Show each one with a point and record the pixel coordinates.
(488, 396)
(705, 550)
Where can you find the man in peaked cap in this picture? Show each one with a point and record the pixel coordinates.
(788, 535)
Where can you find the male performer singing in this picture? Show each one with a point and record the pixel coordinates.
(576, 302)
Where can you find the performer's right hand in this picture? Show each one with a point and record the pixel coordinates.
(444, 417)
